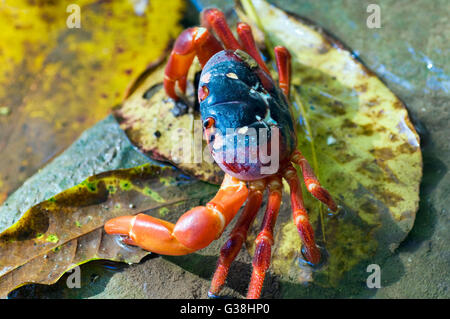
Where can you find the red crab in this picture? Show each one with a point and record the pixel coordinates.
(237, 92)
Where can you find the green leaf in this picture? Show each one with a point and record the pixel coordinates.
(40, 243)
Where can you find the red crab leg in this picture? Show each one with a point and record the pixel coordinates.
(244, 32)
(311, 181)
(215, 19)
(264, 240)
(191, 42)
(237, 237)
(300, 216)
(283, 59)
(194, 230)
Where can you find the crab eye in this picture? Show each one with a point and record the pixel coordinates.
(208, 123)
(203, 93)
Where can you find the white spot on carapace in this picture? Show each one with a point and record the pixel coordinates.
(232, 75)
(205, 77)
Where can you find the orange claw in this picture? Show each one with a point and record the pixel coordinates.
(149, 233)
(195, 229)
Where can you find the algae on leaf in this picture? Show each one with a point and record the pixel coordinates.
(66, 230)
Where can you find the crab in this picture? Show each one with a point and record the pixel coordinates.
(237, 95)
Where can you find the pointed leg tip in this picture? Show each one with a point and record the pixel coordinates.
(314, 260)
(332, 205)
(212, 295)
(311, 255)
(215, 288)
(324, 196)
(333, 208)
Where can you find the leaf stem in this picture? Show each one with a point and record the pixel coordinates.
(251, 11)
(313, 154)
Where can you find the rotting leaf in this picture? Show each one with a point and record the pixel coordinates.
(357, 135)
(42, 245)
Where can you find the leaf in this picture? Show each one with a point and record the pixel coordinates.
(55, 81)
(103, 147)
(357, 135)
(67, 229)
(167, 131)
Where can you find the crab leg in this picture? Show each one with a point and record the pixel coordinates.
(300, 216)
(264, 240)
(215, 19)
(244, 32)
(311, 181)
(194, 230)
(192, 42)
(283, 59)
(237, 237)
